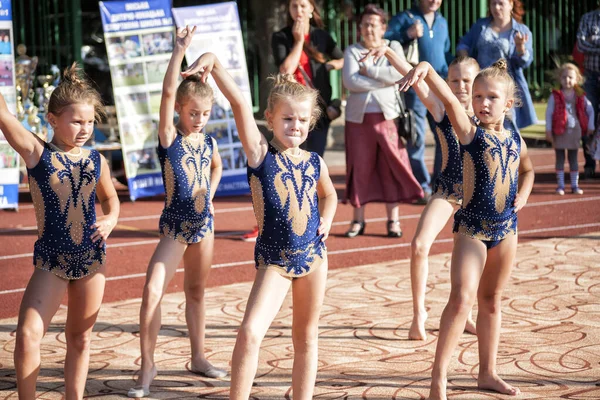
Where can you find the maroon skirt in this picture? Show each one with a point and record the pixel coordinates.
(377, 164)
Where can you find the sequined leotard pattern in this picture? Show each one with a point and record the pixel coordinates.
(490, 184)
(186, 170)
(448, 183)
(285, 200)
(63, 190)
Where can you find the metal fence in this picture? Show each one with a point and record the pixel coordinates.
(553, 24)
(55, 30)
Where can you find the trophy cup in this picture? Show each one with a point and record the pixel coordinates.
(24, 69)
(44, 91)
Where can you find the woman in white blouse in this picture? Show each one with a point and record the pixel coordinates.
(377, 164)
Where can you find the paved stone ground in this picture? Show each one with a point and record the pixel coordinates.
(549, 346)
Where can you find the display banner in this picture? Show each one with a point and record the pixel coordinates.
(218, 31)
(139, 37)
(9, 158)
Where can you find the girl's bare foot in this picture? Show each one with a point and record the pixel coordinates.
(204, 368)
(471, 327)
(437, 390)
(142, 386)
(496, 384)
(417, 327)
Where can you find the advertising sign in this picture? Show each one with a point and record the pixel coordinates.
(218, 31)
(139, 38)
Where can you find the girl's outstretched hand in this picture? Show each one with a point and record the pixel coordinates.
(376, 53)
(414, 76)
(203, 65)
(184, 36)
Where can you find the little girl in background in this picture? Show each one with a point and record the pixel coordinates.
(70, 253)
(191, 168)
(294, 202)
(497, 180)
(569, 116)
(447, 187)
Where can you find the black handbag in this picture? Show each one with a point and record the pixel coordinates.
(405, 123)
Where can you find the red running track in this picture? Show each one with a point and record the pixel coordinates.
(134, 239)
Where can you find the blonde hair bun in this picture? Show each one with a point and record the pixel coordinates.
(73, 88)
(501, 64)
(282, 79)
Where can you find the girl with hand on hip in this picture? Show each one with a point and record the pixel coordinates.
(70, 253)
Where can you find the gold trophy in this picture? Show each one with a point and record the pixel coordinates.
(24, 70)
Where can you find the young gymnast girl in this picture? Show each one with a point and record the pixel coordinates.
(497, 180)
(569, 116)
(447, 187)
(191, 168)
(70, 253)
(294, 202)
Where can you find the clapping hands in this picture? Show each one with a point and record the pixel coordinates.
(520, 40)
(376, 53)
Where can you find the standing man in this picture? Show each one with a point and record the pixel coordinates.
(588, 42)
(425, 24)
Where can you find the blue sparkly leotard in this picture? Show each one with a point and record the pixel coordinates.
(490, 184)
(286, 205)
(63, 190)
(186, 170)
(448, 162)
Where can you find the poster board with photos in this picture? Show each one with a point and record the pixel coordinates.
(9, 158)
(139, 37)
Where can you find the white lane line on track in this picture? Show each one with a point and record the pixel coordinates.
(428, 159)
(338, 223)
(346, 251)
(227, 210)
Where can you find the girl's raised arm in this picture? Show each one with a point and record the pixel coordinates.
(430, 100)
(28, 145)
(166, 128)
(255, 144)
(463, 127)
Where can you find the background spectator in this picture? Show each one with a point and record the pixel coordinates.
(588, 42)
(305, 49)
(377, 166)
(424, 23)
(502, 35)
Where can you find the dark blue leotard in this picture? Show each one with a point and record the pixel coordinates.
(286, 205)
(490, 184)
(186, 170)
(448, 182)
(63, 190)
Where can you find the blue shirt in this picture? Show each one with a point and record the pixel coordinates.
(434, 45)
(487, 47)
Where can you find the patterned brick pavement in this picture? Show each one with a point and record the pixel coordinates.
(549, 346)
